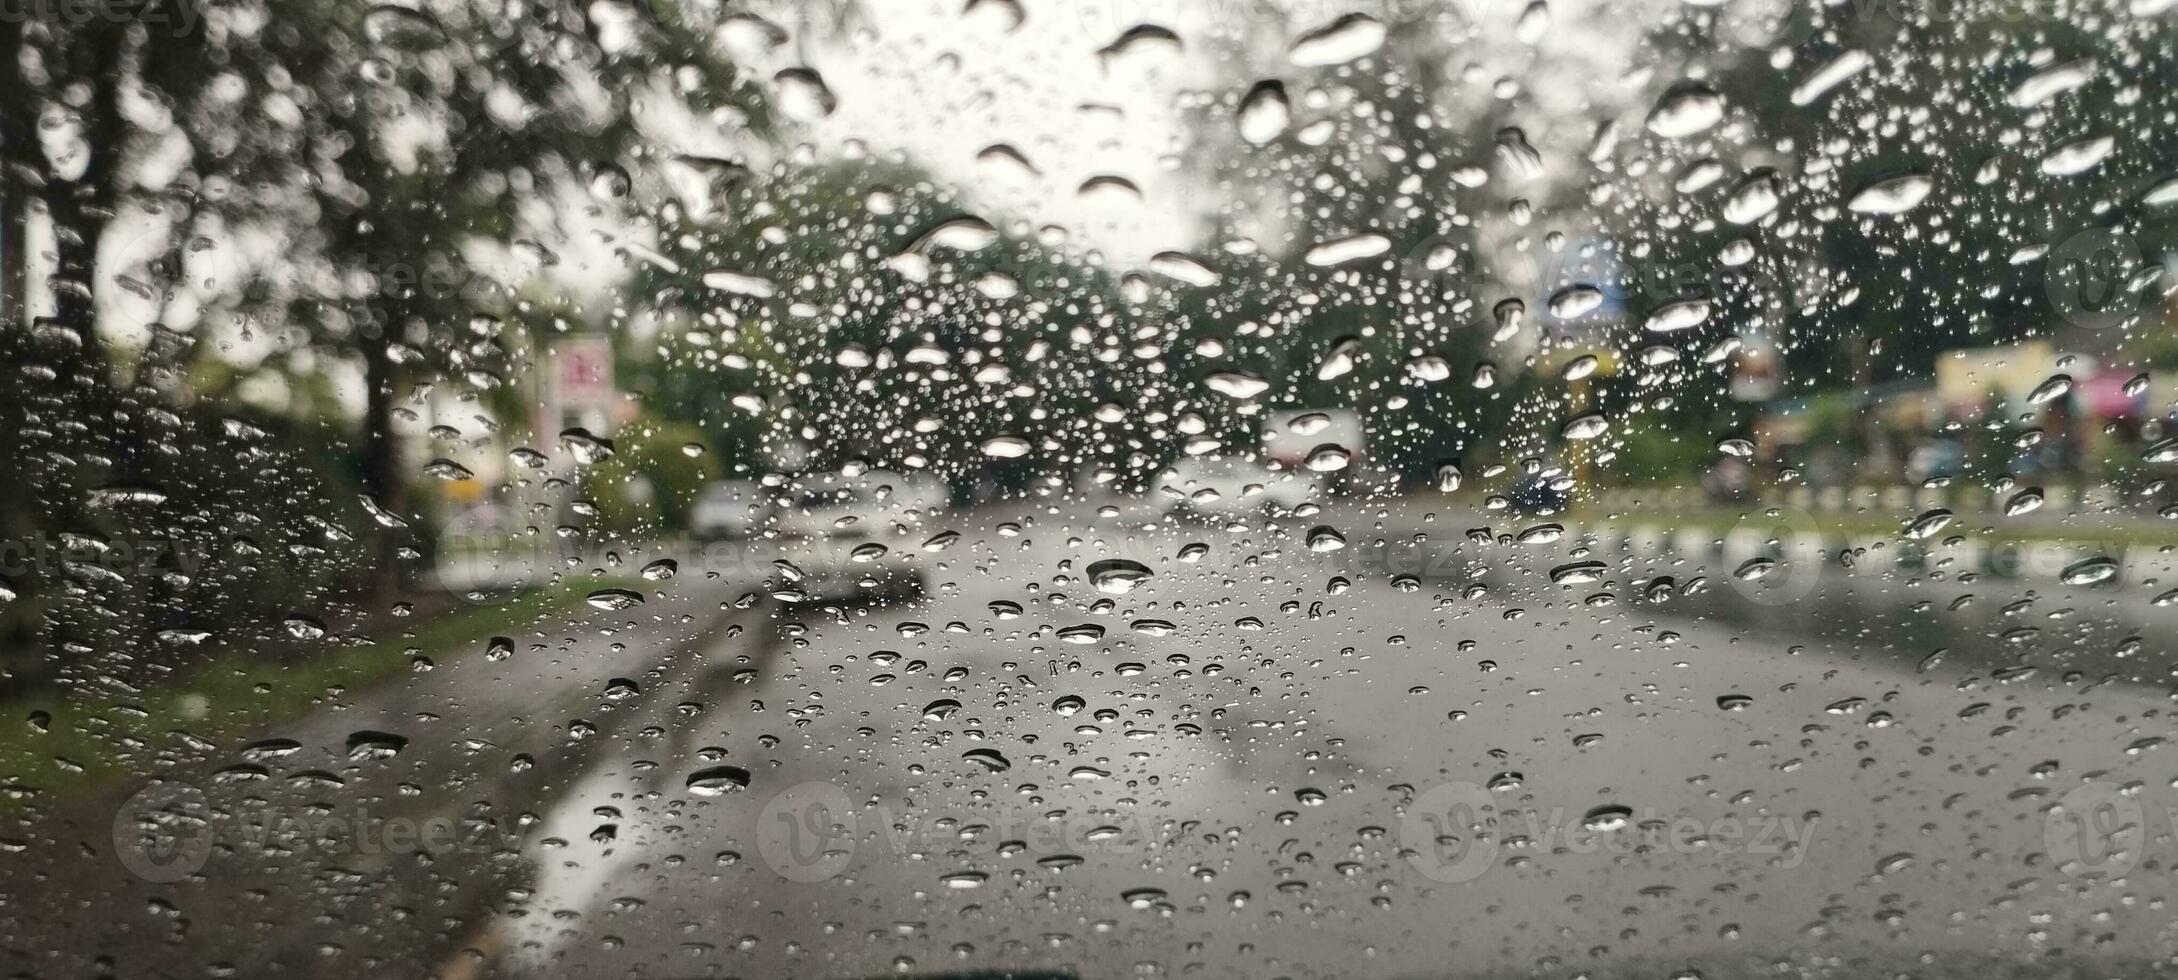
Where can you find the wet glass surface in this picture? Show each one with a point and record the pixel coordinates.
(1088, 489)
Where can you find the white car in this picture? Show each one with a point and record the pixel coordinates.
(1232, 488)
(730, 510)
(847, 537)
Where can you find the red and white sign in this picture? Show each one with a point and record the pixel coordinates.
(582, 373)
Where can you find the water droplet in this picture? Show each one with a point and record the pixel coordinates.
(270, 749)
(1429, 369)
(1328, 458)
(2089, 571)
(1548, 533)
(2053, 81)
(587, 449)
(1237, 384)
(1142, 898)
(1141, 40)
(989, 759)
(717, 780)
(1349, 37)
(2078, 156)
(1685, 109)
(967, 233)
(1579, 572)
(1352, 248)
(1117, 576)
(402, 28)
(2054, 387)
(1928, 524)
(1182, 267)
(1754, 569)
(1835, 72)
(1586, 426)
(1678, 315)
(1085, 633)
(609, 181)
(1755, 197)
(1264, 112)
(1338, 362)
(1522, 161)
(803, 96)
(613, 599)
(446, 469)
(1608, 817)
(367, 744)
(963, 880)
(1894, 195)
(739, 283)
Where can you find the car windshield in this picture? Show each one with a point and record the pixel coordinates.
(835, 489)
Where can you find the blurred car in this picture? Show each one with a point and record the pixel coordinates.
(1539, 493)
(1292, 438)
(1731, 481)
(847, 536)
(729, 510)
(1935, 459)
(1232, 488)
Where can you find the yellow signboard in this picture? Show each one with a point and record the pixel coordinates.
(1970, 374)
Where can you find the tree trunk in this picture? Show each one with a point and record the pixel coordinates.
(380, 466)
(14, 261)
(17, 522)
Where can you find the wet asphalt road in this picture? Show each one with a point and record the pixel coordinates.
(1415, 755)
